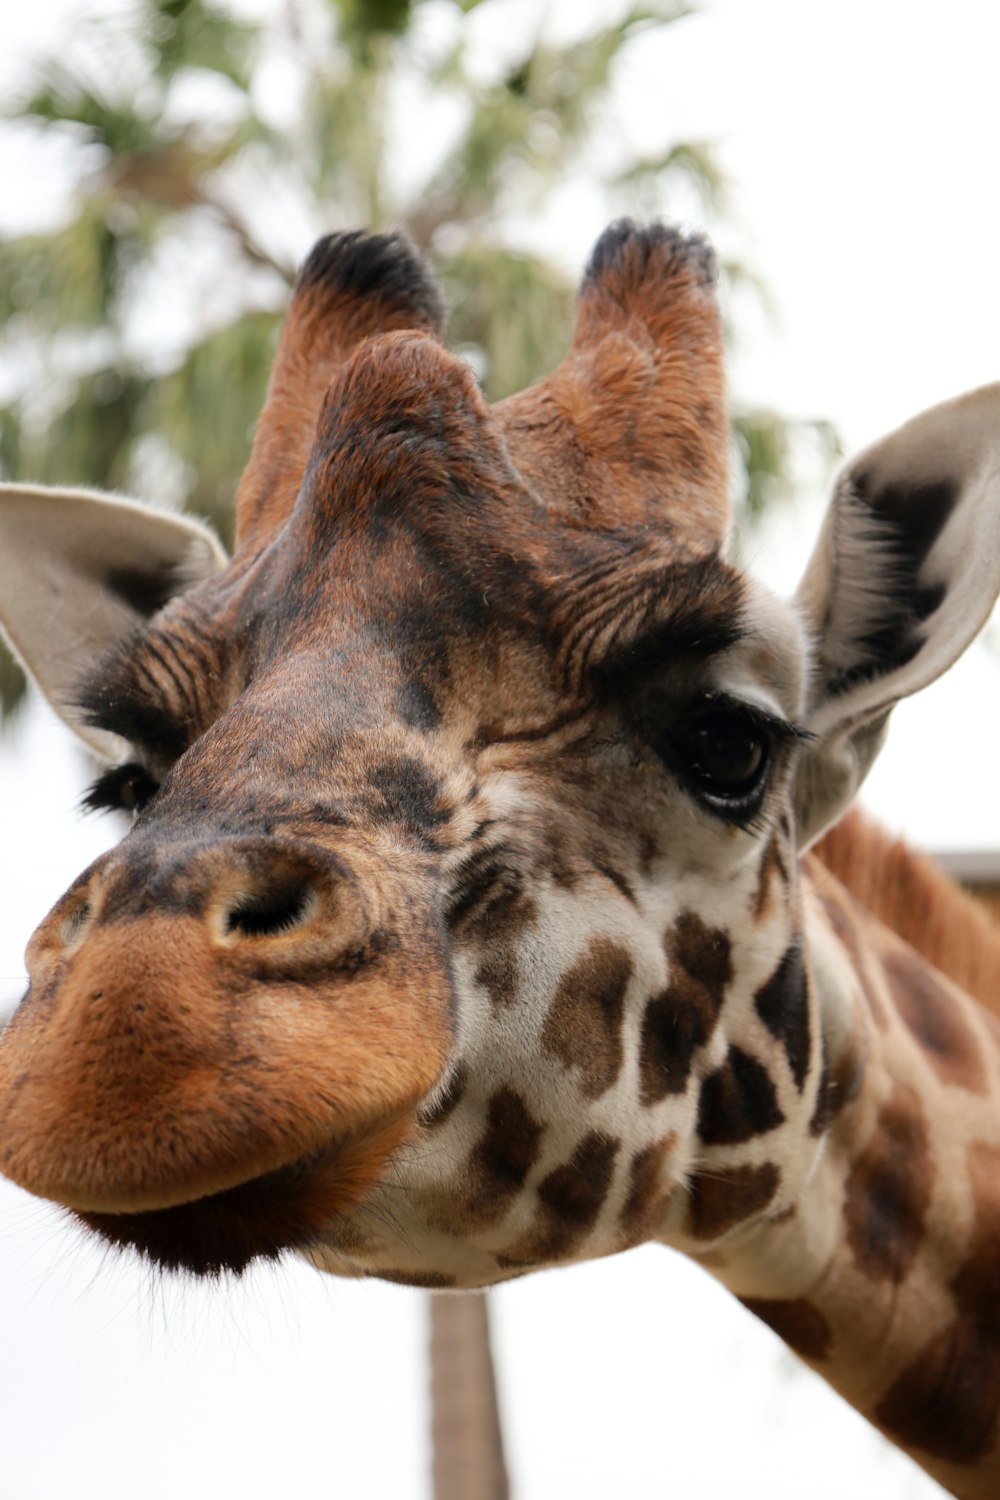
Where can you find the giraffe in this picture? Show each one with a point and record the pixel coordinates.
(467, 924)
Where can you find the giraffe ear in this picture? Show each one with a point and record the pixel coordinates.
(904, 575)
(79, 572)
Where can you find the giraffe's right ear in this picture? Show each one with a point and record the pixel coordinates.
(904, 575)
(79, 572)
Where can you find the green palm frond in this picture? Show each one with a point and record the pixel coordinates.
(768, 449)
(187, 34)
(344, 113)
(11, 441)
(90, 440)
(72, 277)
(691, 162)
(762, 441)
(95, 116)
(362, 21)
(526, 128)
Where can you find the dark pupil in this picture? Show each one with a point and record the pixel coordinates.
(135, 791)
(722, 749)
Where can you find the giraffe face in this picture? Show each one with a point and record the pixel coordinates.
(423, 882)
(636, 1040)
(457, 933)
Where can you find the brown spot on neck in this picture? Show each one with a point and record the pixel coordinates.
(431, 1281)
(500, 1162)
(738, 1101)
(584, 1025)
(721, 1200)
(681, 1019)
(888, 1191)
(947, 1402)
(570, 1199)
(650, 1191)
(783, 1005)
(935, 1019)
(840, 1081)
(797, 1322)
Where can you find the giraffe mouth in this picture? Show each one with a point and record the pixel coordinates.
(287, 1209)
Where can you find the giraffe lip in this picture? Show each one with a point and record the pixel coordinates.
(222, 1232)
(260, 1219)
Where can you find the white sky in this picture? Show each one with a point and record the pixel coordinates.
(861, 142)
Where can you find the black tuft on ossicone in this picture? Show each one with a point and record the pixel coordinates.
(364, 265)
(663, 242)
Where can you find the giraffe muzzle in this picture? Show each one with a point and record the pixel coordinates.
(203, 1022)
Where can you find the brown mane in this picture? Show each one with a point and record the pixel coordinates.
(912, 895)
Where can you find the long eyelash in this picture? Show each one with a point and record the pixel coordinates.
(785, 731)
(106, 793)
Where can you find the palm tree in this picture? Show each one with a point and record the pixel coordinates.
(207, 150)
(468, 1460)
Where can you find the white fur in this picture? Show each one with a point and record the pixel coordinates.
(57, 548)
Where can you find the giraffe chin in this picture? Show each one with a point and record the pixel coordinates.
(287, 1209)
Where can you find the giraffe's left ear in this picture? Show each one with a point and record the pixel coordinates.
(904, 575)
(79, 572)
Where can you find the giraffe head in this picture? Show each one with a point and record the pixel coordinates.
(457, 932)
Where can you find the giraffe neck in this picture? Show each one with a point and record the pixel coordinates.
(884, 1276)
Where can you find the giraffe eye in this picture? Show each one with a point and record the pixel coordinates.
(125, 788)
(724, 750)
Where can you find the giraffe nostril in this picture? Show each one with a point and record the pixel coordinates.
(269, 913)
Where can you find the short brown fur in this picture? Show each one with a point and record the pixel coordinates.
(911, 894)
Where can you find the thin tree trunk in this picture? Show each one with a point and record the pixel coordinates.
(467, 1439)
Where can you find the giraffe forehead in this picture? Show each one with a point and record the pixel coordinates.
(410, 621)
(418, 548)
